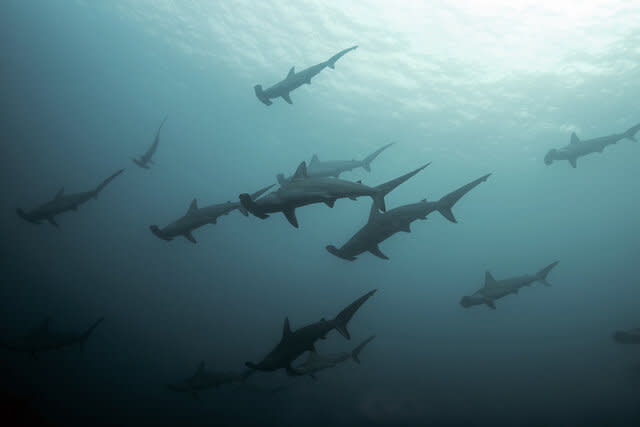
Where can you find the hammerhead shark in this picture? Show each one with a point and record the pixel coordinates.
(495, 289)
(316, 362)
(43, 339)
(318, 168)
(145, 159)
(295, 80)
(62, 203)
(197, 217)
(381, 226)
(294, 343)
(578, 148)
(203, 380)
(627, 337)
(303, 190)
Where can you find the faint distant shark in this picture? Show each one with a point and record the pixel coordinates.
(316, 362)
(145, 159)
(63, 203)
(317, 168)
(495, 289)
(197, 217)
(303, 190)
(203, 380)
(294, 343)
(381, 226)
(578, 148)
(43, 339)
(628, 337)
(295, 80)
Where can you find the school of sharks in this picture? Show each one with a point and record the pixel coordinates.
(317, 182)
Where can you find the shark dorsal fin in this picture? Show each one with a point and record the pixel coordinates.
(374, 212)
(292, 71)
(488, 279)
(301, 172)
(574, 138)
(59, 193)
(193, 206)
(286, 329)
(314, 159)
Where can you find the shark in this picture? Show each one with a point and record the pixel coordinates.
(196, 217)
(495, 289)
(317, 362)
(303, 190)
(295, 343)
(578, 148)
(318, 168)
(627, 337)
(43, 339)
(294, 80)
(202, 380)
(63, 203)
(381, 226)
(145, 159)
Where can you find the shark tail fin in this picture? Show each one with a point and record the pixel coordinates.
(261, 95)
(88, 332)
(366, 163)
(446, 203)
(542, 274)
(251, 206)
(356, 351)
(387, 187)
(105, 182)
(331, 63)
(341, 320)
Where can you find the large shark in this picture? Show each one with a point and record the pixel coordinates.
(627, 337)
(145, 159)
(303, 190)
(203, 380)
(294, 343)
(318, 362)
(295, 80)
(381, 226)
(62, 203)
(197, 217)
(43, 338)
(578, 148)
(495, 289)
(318, 168)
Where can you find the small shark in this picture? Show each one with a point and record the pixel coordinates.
(62, 203)
(579, 148)
(316, 362)
(294, 343)
(495, 289)
(627, 337)
(295, 80)
(203, 380)
(381, 226)
(303, 190)
(197, 217)
(334, 168)
(145, 159)
(44, 339)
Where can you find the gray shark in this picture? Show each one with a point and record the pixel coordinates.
(62, 203)
(627, 337)
(303, 190)
(495, 289)
(295, 80)
(316, 362)
(294, 343)
(197, 217)
(43, 339)
(334, 168)
(578, 148)
(203, 380)
(381, 226)
(145, 159)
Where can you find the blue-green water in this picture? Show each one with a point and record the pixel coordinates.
(473, 87)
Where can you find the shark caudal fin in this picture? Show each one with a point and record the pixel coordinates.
(446, 203)
(387, 187)
(261, 95)
(251, 206)
(631, 133)
(104, 183)
(88, 332)
(542, 274)
(366, 163)
(341, 320)
(356, 351)
(336, 252)
(331, 63)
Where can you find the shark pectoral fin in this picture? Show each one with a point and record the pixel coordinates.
(573, 161)
(290, 213)
(330, 203)
(52, 221)
(190, 237)
(376, 251)
(286, 97)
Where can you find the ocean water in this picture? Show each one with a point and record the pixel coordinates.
(474, 87)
